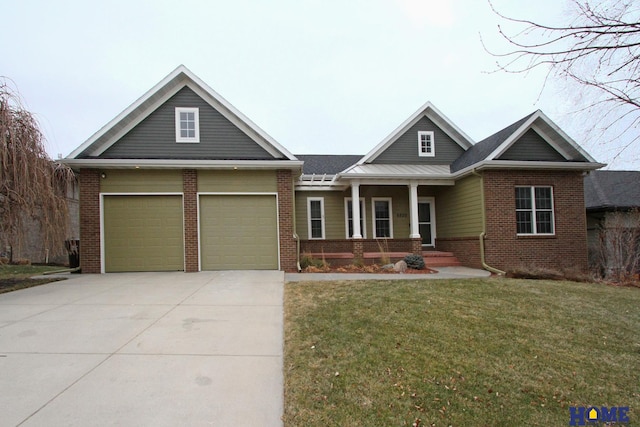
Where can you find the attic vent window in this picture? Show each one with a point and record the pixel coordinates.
(426, 144)
(187, 125)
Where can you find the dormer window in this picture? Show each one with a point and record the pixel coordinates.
(187, 125)
(426, 144)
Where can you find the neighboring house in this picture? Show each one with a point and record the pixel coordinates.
(181, 180)
(612, 200)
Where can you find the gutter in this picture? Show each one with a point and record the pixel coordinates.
(484, 229)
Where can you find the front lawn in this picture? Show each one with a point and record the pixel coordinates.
(497, 352)
(14, 277)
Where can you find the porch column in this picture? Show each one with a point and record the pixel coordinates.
(413, 209)
(355, 209)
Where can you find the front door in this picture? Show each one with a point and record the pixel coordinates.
(426, 221)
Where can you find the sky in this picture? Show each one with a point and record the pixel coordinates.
(319, 76)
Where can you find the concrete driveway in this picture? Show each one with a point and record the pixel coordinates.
(156, 349)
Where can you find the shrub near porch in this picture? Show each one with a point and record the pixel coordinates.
(474, 352)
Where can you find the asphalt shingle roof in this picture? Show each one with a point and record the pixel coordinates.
(329, 164)
(611, 190)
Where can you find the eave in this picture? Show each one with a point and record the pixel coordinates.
(181, 164)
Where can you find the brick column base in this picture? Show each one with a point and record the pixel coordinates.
(416, 246)
(190, 206)
(358, 251)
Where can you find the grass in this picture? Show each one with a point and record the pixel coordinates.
(15, 277)
(498, 352)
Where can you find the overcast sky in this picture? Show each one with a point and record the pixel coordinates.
(320, 76)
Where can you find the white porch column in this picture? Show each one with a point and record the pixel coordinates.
(355, 209)
(413, 209)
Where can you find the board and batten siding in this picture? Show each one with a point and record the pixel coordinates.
(459, 209)
(237, 181)
(141, 181)
(155, 136)
(404, 150)
(532, 146)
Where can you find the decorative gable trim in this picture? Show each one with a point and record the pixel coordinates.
(563, 143)
(433, 114)
(181, 77)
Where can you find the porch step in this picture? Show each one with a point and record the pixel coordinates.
(440, 259)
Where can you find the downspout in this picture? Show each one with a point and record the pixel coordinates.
(484, 229)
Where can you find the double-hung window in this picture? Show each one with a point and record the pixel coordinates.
(382, 218)
(534, 210)
(349, 217)
(426, 144)
(315, 212)
(187, 124)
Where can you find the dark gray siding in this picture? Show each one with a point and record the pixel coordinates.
(531, 146)
(405, 149)
(155, 136)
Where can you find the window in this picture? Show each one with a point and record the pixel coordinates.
(382, 225)
(534, 210)
(315, 212)
(187, 125)
(348, 209)
(426, 144)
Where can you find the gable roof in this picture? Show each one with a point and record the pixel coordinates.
(612, 190)
(493, 147)
(432, 113)
(329, 164)
(179, 78)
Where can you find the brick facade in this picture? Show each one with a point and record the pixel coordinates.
(190, 206)
(466, 249)
(90, 221)
(288, 244)
(505, 250)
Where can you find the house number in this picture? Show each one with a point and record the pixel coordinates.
(401, 215)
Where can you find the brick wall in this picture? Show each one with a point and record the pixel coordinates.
(566, 249)
(190, 203)
(90, 220)
(466, 249)
(288, 245)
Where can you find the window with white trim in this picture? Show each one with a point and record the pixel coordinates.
(382, 218)
(315, 214)
(426, 144)
(348, 214)
(534, 210)
(187, 124)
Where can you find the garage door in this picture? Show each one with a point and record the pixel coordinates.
(143, 233)
(238, 232)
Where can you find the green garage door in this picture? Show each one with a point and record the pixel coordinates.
(238, 232)
(143, 233)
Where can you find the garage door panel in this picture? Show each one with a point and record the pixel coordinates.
(238, 232)
(143, 233)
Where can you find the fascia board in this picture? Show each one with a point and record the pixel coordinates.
(527, 165)
(566, 137)
(182, 164)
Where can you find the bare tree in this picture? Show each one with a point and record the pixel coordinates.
(598, 48)
(616, 255)
(32, 186)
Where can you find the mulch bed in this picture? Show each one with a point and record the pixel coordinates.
(15, 283)
(372, 269)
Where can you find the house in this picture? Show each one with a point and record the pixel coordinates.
(181, 180)
(612, 201)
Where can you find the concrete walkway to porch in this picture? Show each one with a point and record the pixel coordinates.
(442, 273)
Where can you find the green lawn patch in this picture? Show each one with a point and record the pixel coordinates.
(14, 277)
(498, 352)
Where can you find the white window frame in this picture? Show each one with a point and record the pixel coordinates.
(373, 215)
(363, 217)
(432, 151)
(196, 116)
(309, 230)
(534, 210)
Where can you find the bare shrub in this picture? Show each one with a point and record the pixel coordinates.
(617, 255)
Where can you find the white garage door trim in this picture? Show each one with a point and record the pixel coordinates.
(102, 195)
(204, 193)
